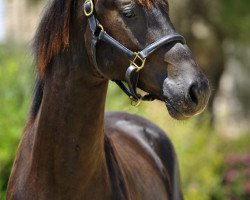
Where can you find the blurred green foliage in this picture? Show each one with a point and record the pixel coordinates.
(234, 19)
(16, 82)
(200, 150)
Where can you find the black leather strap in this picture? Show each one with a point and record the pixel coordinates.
(132, 79)
(124, 88)
(159, 43)
(102, 35)
(132, 73)
(111, 41)
(93, 50)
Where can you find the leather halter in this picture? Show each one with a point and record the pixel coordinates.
(137, 59)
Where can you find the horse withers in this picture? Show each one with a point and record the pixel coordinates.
(71, 149)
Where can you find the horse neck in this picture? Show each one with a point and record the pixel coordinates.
(68, 150)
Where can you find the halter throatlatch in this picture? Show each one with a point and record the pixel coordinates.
(137, 59)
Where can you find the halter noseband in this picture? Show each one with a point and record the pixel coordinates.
(137, 59)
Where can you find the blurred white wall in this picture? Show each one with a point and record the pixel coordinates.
(20, 20)
(1, 20)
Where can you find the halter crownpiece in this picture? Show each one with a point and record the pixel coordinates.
(137, 59)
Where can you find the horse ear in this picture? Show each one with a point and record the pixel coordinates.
(52, 34)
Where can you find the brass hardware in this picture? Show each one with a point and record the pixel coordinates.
(101, 27)
(91, 9)
(134, 102)
(137, 59)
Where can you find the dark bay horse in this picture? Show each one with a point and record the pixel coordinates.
(70, 149)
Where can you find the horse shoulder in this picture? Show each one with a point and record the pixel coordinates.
(144, 157)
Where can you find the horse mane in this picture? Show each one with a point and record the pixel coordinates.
(52, 34)
(150, 3)
(37, 98)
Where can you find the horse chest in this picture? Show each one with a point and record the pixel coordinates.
(139, 176)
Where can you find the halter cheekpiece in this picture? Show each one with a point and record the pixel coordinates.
(137, 59)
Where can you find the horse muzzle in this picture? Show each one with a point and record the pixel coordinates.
(186, 97)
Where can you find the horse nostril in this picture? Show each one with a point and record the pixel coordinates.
(193, 94)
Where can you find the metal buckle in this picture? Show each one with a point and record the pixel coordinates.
(91, 8)
(101, 27)
(134, 102)
(138, 62)
(98, 30)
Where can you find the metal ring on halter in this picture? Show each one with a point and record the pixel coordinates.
(100, 26)
(90, 12)
(135, 103)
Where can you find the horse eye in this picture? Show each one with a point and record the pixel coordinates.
(128, 13)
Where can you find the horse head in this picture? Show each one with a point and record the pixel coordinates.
(170, 73)
(112, 31)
